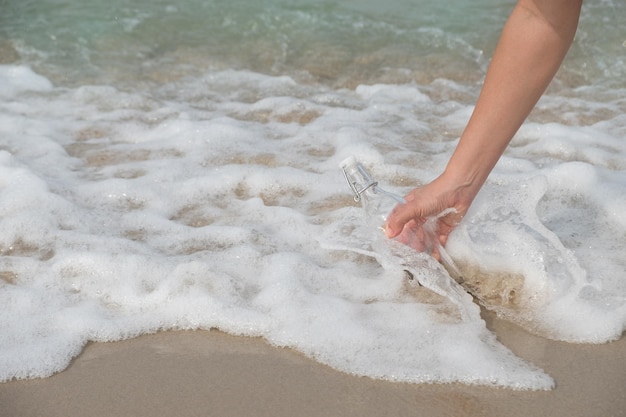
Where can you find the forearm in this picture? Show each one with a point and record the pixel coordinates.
(532, 46)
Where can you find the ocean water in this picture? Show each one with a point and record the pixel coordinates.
(174, 165)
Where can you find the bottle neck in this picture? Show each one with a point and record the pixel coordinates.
(359, 180)
(361, 183)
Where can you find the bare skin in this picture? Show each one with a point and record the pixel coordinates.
(532, 46)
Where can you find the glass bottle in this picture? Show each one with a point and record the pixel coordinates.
(378, 203)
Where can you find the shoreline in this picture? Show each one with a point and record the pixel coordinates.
(200, 373)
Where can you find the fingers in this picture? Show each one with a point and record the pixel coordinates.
(399, 217)
(417, 209)
(427, 218)
(403, 214)
(424, 221)
(421, 238)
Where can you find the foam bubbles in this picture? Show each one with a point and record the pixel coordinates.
(215, 202)
(15, 79)
(152, 182)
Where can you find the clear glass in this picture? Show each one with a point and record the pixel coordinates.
(378, 203)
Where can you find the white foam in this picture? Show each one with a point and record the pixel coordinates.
(15, 79)
(384, 93)
(192, 206)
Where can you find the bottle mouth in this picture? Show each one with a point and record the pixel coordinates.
(348, 164)
(351, 160)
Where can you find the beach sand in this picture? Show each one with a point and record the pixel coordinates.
(209, 373)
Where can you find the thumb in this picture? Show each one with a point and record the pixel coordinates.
(399, 216)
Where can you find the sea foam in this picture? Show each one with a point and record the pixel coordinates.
(215, 202)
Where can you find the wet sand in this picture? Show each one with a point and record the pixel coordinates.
(206, 373)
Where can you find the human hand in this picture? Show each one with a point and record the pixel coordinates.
(429, 215)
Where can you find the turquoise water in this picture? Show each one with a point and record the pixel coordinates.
(174, 165)
(340, 42)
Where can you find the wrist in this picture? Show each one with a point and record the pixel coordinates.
(462, 185)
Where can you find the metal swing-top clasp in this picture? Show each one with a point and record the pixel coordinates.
(369, 181)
